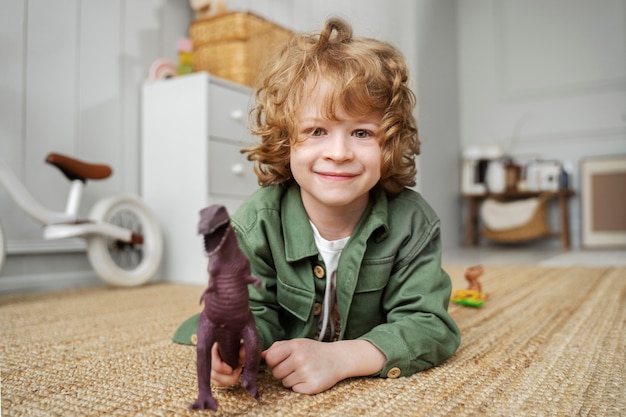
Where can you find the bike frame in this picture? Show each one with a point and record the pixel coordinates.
(57, 224)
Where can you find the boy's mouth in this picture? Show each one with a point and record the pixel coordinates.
(336, 176)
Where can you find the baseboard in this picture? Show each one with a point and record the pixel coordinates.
(196, 280)
(49, 282)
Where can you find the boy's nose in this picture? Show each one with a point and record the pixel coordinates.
(339, 148)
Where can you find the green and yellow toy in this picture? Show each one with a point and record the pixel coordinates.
(473, 296)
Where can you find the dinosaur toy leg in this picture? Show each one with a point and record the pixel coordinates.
(253, 357)
(206, 338)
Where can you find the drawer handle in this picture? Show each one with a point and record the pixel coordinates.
(236, 115)
(237, 169)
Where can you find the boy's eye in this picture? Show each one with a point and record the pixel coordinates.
(316, 131)
(361, 134)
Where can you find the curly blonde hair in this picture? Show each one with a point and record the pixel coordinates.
(369, 76)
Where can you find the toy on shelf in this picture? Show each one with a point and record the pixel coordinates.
(162, 69)
(226, 318)
(184, 47)
(473, 296)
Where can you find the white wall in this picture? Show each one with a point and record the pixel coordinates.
(438, 114)
(545, 78)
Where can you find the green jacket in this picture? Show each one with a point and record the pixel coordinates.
(391, 289)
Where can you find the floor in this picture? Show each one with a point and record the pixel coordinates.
(525, 255)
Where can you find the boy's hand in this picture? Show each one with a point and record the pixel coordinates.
(310, 367)
(222, 375)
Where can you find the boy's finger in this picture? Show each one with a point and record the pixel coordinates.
(276, 353)
(225, 380)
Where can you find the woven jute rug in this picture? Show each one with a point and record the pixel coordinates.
(548, 342)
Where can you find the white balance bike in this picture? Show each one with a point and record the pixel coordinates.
(124, 241)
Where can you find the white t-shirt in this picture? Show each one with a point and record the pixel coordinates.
(331, 252)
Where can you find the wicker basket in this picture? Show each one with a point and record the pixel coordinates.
(535, 228)
(234, 45)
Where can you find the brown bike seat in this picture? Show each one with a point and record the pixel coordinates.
(75, 169)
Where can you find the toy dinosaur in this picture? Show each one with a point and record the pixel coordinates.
(226, 318)
(471, 276)
(473, 295)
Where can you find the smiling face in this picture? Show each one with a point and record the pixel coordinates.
(336, 161)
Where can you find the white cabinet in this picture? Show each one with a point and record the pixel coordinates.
(193, 129)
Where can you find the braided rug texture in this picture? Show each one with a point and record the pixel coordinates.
(548, 342)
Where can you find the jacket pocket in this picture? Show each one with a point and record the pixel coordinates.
(296, 301)
(366, 309)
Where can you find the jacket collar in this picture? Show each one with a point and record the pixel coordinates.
(298, 235)
(299, 241)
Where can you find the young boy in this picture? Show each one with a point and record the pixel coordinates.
(348, 256)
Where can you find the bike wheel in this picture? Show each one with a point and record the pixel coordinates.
(3, 248)
(123, 263)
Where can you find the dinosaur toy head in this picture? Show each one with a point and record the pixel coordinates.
(213, 225)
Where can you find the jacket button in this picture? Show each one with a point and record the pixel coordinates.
(394, 373)
(318, 271)
(317, 309)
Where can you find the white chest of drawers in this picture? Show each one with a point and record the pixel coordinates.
(193, 129)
